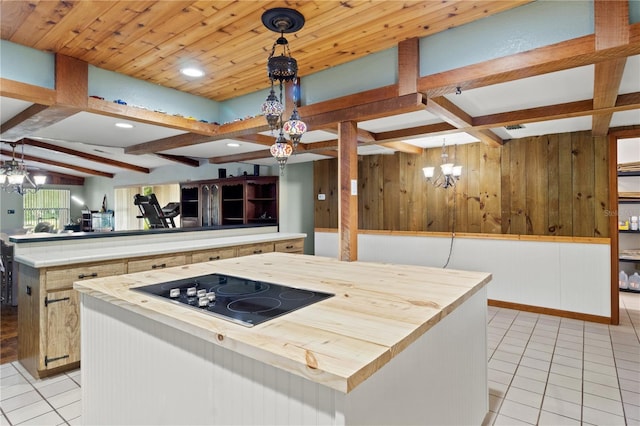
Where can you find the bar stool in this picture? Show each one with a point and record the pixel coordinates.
(6, 255)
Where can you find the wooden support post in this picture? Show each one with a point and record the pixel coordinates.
(72, 82)
(348, 202)
(408, 66)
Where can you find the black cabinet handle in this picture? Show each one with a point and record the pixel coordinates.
(91, 275)
(162, 265)
(257, 251)
(289, 247)
(47, 302)
(215, 258)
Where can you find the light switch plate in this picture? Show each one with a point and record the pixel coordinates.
(321, 197)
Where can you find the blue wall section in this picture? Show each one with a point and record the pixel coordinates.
(634, 11)
(27, 65)
(373, 71)
(112, 86)
(524, 28)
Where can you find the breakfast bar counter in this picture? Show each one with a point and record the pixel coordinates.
(396, 344)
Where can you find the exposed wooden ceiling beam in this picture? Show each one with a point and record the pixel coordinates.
(58, 164)
(33, 119)
(27, 92)
(556, 57)
(611, 29)
(452, 114)
(86, 156)
(180, 159)
(247, 156)
(402, 147)
(626, 102)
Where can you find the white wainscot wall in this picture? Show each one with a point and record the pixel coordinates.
(567, 276)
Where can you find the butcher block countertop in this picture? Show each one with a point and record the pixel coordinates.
(377, 311)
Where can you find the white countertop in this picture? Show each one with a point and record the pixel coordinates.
(100, 250)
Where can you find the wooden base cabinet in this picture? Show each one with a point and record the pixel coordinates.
(49, 314)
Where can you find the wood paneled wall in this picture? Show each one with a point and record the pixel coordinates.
(546, 185)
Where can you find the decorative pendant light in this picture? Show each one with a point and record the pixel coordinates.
(449, 173)
(282, 68)
(14, 176)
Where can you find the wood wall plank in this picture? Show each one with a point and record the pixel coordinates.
(601, 186)
(505, 185)
(565, 191)
(550, 185)
(391, 193)
(583, 181)
(553, 173)
(536, 186)
(518, 189)
(490, 190)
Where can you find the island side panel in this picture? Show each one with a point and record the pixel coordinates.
(441, 379)
(155, 374)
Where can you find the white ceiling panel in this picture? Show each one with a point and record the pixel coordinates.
(100, 130)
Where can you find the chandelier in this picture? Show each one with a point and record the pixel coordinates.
(281, 68)
(14, 176)
(449, 173)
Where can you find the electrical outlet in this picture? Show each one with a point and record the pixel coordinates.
(29, 290)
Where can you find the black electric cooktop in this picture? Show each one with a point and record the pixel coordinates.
(241, 300)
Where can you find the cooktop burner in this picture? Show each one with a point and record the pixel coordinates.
(241, 300)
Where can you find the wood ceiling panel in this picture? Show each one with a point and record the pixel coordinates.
(150, 40)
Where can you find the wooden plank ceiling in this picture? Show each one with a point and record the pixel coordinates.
(151, 40)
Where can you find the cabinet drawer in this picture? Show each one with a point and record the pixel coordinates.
(64, 277)
(255, 249)
(157, 262)
(213, 254)
(290, 246)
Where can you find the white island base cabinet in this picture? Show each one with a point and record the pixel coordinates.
(136, 370)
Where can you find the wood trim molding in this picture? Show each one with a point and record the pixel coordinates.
(511, 237)
(549, 311)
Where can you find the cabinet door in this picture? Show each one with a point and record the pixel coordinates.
(157, 262)
(62, 334)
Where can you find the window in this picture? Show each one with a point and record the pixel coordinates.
(49, 206)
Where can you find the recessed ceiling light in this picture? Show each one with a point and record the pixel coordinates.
(233, 144)
(124, 125)
(192, 72)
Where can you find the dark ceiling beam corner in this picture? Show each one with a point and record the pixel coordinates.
(86, 156)
(58, 164)
(611, 30)
(180, 159)
(55, 178)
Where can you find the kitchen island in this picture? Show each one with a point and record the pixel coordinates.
(396, 344)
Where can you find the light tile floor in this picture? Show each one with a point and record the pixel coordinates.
(543, 370)
(546, 370)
